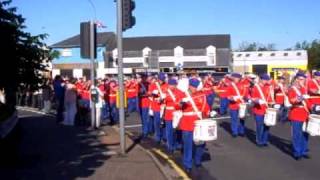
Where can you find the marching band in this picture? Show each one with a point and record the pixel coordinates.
(172, 107)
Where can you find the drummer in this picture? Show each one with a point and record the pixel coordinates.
(236, 95)
(314, 91)
(298, 114)
(280, 91)
(187, 124)
(222, 92)
(262, 97)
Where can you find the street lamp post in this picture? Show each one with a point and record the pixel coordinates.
(120, 77)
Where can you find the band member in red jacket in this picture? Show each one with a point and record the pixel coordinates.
(144, 105)
(281, 91)
(132, 88)
(187, 124)
(313, 86)
(172, 102)
(222, 89)
(156, 91)
(262, 96)
(298, 114)
(112, 101)
(236, 95)
(208, 84)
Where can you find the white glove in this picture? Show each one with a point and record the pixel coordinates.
(163, 96)
(261, 101)
(236, 98)
(155, 92)
(317, 108)
(213, 114)
(249, 101)
(318, 92)
(184, 100)
(277, 106)
(305, 96)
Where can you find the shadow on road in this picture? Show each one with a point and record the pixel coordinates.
(41, 149)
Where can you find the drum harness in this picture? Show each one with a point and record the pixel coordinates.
(262, 95)
(286, 99)
(237, 91)
(162, 107)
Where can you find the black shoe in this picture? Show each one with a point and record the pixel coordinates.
(298, 158)
(306, 156)
(242, 135)
(199, 166)
(234, 135)
(265, 145)
(188, 170)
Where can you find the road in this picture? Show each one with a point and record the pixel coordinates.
(231, 158)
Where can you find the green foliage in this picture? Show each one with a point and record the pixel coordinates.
(313, 49)
(255, 46)
(22, 54)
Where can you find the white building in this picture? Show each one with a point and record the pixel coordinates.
(271, 62)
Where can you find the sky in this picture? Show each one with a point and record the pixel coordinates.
(282, 22)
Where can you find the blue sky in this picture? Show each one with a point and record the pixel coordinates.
(283, 22)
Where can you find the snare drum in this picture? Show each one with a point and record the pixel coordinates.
(205, 130)
(312, 127)
(270, 118)
(242, 110)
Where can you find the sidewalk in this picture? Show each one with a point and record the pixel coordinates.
(47, 150)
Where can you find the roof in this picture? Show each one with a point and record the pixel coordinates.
(170, 42)
(153, 42)
(102, 39)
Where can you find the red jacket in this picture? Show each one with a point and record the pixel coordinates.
(189, 115)
(208, 86)
(143, 95)
(132, 89)
(231, 91)
(172, 104)
(312, 89)
(260, 109)
(298, 111)
(155, 98)
(112, 92)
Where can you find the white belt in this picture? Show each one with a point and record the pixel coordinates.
(191, 113)
(169, 108)
(131, 90)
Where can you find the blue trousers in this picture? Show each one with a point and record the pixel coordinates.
(144, 114)
(114, 113)
(133, 104)
(224, 102)
(283, 114)
(191, 151)
(299, 139)
(105, 113)
(170, 136)
(60, 108)
(210, 100)
(157, 126)
(237, 125)
(262, 131)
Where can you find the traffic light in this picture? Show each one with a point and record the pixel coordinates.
(85, 38)
(128, 20)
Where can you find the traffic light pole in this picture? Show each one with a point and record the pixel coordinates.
(92, 50)
(120, 77)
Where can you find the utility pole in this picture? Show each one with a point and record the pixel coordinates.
(120, 77)
(92, 57)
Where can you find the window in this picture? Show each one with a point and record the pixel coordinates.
(273, 54)
(298, 53)
(260, 54)
(247, 55)
(66, 53)
(239, 55)
(285, 54)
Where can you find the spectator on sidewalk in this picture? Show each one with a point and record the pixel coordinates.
(70, 102)
(46, 96)
(58, 86)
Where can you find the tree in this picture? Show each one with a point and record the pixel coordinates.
(22, 56)
(255, 46)
(313, 50)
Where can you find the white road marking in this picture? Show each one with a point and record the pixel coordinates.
(133, 126)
